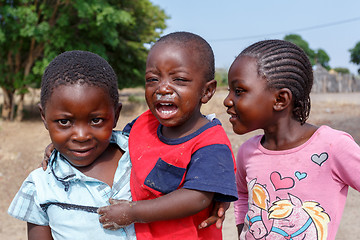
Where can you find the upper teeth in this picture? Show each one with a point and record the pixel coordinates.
(165, 104)
(165, 96)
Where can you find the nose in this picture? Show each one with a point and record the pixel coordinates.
(81, 133)
(164, 87)
(228, 102)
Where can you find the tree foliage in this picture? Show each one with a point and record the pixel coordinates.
(355, 55)
(297, 40)
(322, 58)
(342, 70)
(32, 33)
(315, 56)
(221, 76)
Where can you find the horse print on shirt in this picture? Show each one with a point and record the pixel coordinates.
(285, 219)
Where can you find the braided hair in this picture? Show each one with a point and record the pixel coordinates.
(79, 67)
(285, 65)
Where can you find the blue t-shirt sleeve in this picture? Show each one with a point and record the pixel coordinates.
(211, 169)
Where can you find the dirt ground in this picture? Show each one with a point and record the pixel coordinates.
(22, 146)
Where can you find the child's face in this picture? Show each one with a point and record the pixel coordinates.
(80, 119)
(249, 102)
(175, 85)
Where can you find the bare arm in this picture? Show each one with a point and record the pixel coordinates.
(178, 204)
(239, 228)
(37, 232)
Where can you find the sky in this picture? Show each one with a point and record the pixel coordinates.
(231, 25)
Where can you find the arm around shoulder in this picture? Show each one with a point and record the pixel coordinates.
(37, 232)
(239, 229)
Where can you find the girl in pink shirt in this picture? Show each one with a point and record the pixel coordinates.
(292, 180)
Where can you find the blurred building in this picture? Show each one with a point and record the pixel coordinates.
(331, 81)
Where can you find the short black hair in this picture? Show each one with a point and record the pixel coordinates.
(201, 48)
(79, 67)
(285, 65)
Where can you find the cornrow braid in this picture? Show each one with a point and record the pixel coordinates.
(285, 65)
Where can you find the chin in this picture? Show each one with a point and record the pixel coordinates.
(168, 124)
(79, 165)
(239, 131)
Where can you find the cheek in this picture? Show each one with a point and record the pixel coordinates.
(57, 137)
(148, 99)
(59, 141)
(103, 133)
(149, 91)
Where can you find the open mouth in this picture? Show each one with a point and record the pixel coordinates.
(166, 110)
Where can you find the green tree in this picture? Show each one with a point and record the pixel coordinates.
(322, 58)
(355, 55)
(315, 56)
(221, 77)
(32, 33)
(342, 70)
(304, 45)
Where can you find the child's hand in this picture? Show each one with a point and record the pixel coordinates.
(47, 155)
(117, 215)
(217, 215)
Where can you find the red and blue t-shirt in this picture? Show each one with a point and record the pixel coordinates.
(201, 161)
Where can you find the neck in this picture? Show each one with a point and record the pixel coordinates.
(105, 166)
(287, 136)
(185, 129)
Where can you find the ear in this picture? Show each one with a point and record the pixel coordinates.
(42, 114)
(117, 113)
(209, 91)
(283, 99)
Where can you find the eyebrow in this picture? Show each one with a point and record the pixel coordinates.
(232, 82)
(177, 70)
(150, 71)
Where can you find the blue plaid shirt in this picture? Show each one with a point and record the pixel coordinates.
(66, 200)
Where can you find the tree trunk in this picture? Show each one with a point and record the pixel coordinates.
(8, 105)
(20, 109)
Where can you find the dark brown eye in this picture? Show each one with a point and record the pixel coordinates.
(96, 121)
(64, 122)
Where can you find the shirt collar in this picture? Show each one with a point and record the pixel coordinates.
(64, 172)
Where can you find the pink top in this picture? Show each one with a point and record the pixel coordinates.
(298, 192)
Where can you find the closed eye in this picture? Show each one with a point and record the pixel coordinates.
(151, 79)
(181, 79)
